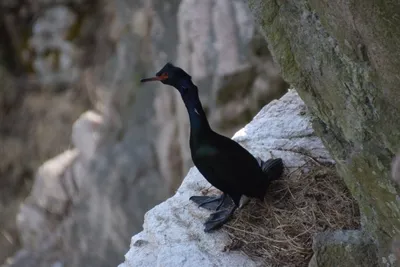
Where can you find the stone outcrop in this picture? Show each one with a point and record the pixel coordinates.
(132, 152)
(352, 247)
(343, 59)
(396, 178)
(36, 114)
(173, 231)
(35, 126)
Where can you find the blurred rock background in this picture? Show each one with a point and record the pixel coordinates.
(61, 58)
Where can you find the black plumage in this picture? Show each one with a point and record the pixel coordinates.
(223, 162)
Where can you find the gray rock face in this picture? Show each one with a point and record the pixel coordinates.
(173, 231)
(396, 178)
(35, 122)
(352, 247)
(343, 59)
(43, 38)
(48, 34)
(132, 153)
(35, 126)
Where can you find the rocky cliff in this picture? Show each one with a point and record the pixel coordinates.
(277, 232)
(37, 106)
(343, 58)
(130, 152)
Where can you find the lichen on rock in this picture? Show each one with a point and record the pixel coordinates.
(343, 62)
(352, 247)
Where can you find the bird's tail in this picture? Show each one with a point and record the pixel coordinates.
(273, 168)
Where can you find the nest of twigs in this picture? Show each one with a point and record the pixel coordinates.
(279, 231)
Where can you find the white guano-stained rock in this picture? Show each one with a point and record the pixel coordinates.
(173, 231)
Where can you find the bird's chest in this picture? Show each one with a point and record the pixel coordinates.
(211, 164)
(202, 152)
(199, 144)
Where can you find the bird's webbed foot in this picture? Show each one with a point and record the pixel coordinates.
(272, 167)
(211, 203)
(219, 218)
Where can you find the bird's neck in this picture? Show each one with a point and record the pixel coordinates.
(197, 116)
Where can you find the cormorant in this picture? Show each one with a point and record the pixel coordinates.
(223, 162)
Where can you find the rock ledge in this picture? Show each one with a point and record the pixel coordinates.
(173, 232)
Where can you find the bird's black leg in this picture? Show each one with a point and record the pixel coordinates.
(219, 218)
(273, 168)
(210, 203)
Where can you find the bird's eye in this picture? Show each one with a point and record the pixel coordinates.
(164, 75)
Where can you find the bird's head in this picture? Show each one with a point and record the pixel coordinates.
(173, 76)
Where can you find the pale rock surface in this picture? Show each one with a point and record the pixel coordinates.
(173, 232)
(85, 133)
(46, 217)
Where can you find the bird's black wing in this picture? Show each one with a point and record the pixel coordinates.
(229, 167)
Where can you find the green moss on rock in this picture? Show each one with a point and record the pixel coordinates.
(343, 59)
(351, 248)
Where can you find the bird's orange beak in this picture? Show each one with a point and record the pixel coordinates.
(156, 78)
